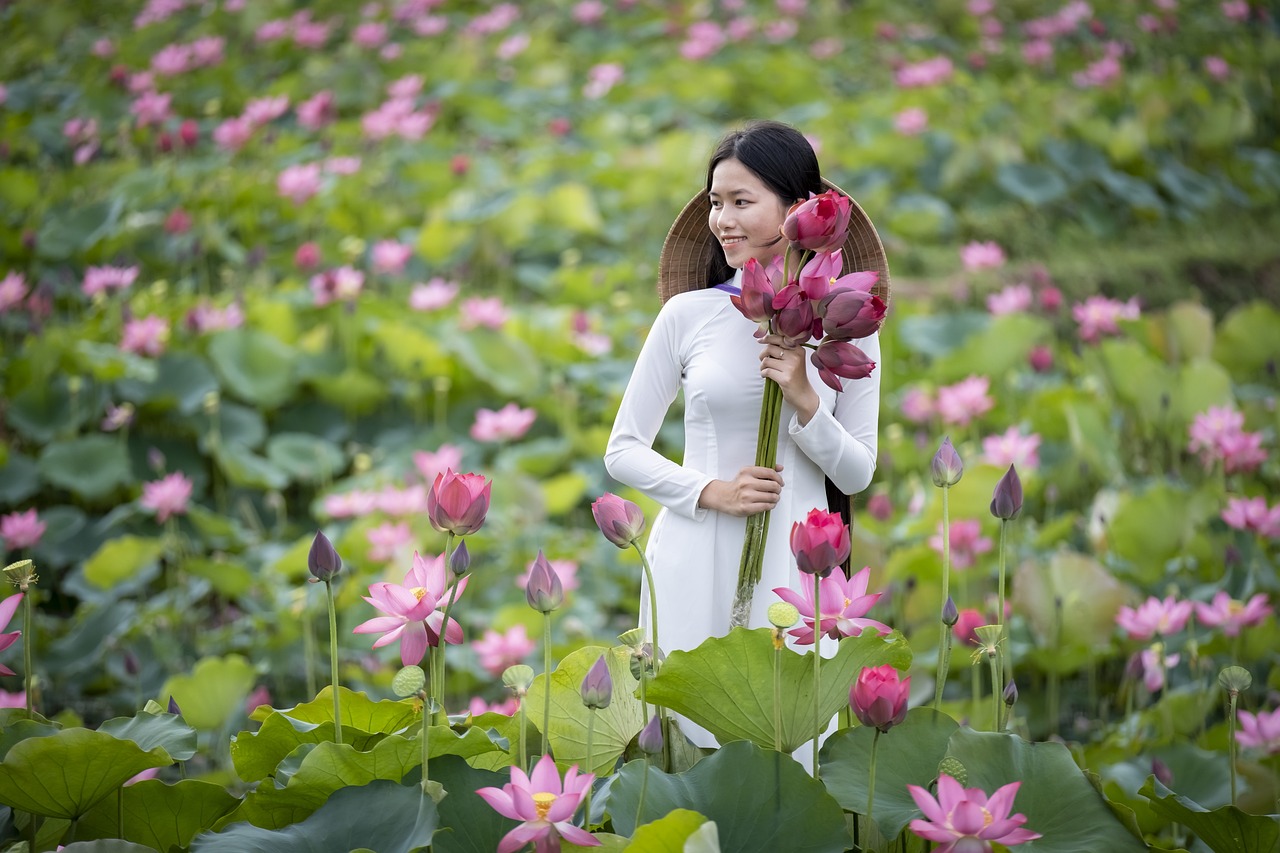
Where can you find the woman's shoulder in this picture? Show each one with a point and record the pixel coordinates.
(693, 308)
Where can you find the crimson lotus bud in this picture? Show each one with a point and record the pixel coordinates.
(323, 561)
(620, 520)
(650, 740)
(879, 697)
(189, 133)
(164, 142)
(819, 224)
(458, 503)
(1006, 503)
(597, 685)
(460, 559)
(307, 256)
(820, 542)
(950, 614)
(544, 591)
(947, 467)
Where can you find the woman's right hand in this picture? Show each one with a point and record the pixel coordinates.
(755, 489)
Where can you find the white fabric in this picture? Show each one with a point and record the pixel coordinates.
(701, 345)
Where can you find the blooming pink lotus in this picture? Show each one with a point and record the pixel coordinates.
(318, 110)
(1098, 316)
(1155, 666)
(101, 279)
(299, 183)
(389, 256)
(911, 122)
(819, 224)
(167, 496)
(342, 284)
(879, 697)
(458, 503)
(544, 805)
(978, 256)
(145, 336)
(965, 401)
(307, 256)
(965, 820)
(1014, 299)
(1253, 515)
(21, 529)
(918, 405)
(413, 611)
(1231, 615)
(820, 542)
(13, 289)
(488, 312)
(928, 72)
(967, 542)
(431, 464)
(1154, 616)
(844, 601)
(506, 424)
(497, 651)
(8, 607)
(1257, 731)
(386, 540)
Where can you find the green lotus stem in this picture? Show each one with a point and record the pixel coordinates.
(1054, 710)
(546, 693)
(437, 684)
(757, 532)
(427, 713)
(653, 600)
(871, 782)
(28, 640)
(591, 730)
(996, 700)
(333, 663)
(524, 736)
(975, 681)
(944, 654)
(1006, 664)
(1231, 742)
(777, 695)
(817, 662)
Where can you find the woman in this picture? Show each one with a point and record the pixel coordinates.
(702, 345)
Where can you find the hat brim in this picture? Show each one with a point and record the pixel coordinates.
(689, 245)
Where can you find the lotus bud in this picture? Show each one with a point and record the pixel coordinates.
(173, 708)
(954, 768)
(879, 697)
(947, 467)
(620, 520)
(322, 560)
(597, 685)
(1010, 694)
(650, 740)
(1161, 771)
(518, 678)
(950, 613)
(460, 559)
(1235, 680)
(1006, 502)
(544, 591)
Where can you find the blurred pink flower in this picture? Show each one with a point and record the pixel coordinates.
(447, 457)
(299, 182)
(1252, 514)
(512, 46)
(101, 279)
(387, 539)
(1260, 731)
(260, 111)
(151, 108)
(13, 289)
(978, 8)
(1050, 298)
(17, 699)
(601, 78)
(103, 48)
(1097, 74)
(167, 496)
(4, 94)
(307, 256)
(544, 805)
(918, 405)
(1236, 10)
(1231, 615)
(207, 51)
(880, 506)
(566, 570)
(1012, 448)
(703, 39)
(1154, 617)
(496, 20)
(353, 504)
(411, 500)
(311, 35)
(430, 25)
(1155, 667)
(978, 256)
(507, 707)
(497, 651)
(588, 12)
(1041, 359)
(911, 121)
(966, 628)
(206, 317)
(844, 603)
(488, 312)
(967, 542)
(270, 31)
(1209, 428)
(145, 336)
(405, 88)
(965, 820)
(172, 59)
(781, 30)
(433, 295)
(794, 8)
(930, 72)
(260, 696)
(370, 34)
(141, 81)
(318, 110)
(965, 400)
(389, 256)
(507, 424)
(1217, 67)
(117, 417)
(592, 343)
(232, 134)
(1037, 52)
(823, 48)
(21, 529)
(1014, 299)
(342, 284)
(1098, 316)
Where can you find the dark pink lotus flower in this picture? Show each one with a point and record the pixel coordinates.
(819, 224)
(620, 520)
(8, 607)
(879, 697)
(849, 314)
(965, 820)
(835, 359)
(760, 285)
(794, 317)
(458, 503)
(545, 806)
(820, 542)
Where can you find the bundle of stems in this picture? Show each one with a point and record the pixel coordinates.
(758, 523)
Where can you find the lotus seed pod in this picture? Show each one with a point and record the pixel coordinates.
(408, 681)
(783, 615)
(1235, 679)
(952, 767)
(518, 678)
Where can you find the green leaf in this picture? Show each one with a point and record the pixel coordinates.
(245, 468)
(726, 684)
(161, 816)
(937, 335)
(19, 479)
(1135, 192)
(1031, 184)
(74, 230)
(91, 467)
(1001, 346)
(1187, 329)
(1079, 160)
(1055, 796)
(760, 800)
(1248, 339)
(41, 411)
(182, 380)
(908, 754)
(214, 690)
(120, 559)
(667, 834)
(1189, 187)
(1224, 830)
(502, 361)
(254, 366)
(467, 823)
(305, 458)
(358, 711)
(106, 845)
(149, 731)
(1078, 633)
(231, 580)
(1151, 528)
(615, 725)
(1200, 385)
(257, 755)
(15, 727)
(64, 774)
(917, 216)
(384, 816)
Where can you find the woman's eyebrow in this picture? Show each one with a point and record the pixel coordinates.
(742, 191)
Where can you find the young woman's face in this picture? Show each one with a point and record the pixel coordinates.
(746, 216)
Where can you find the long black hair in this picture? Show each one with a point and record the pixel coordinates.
(785, 162)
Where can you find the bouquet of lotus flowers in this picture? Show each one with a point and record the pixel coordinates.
(817, 308)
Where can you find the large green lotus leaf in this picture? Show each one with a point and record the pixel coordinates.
(151, 730)
(1057, 799)
(1080, 160)
(41, 411)
(908, 754)
(1223, 830)
(15, 728)
(91, 467)
(120, 559)
(65, 539)
(411, 352)
(1031, 183)
(234, 424)
(109, 363)
(229, 579)
(467, 823)
(182, 380)
(1140, 379)
(245, 468)
(667, 834)
(63, 774)
(608, 843)
(106, 845)
(726, 684)
(213, 691)
(383, 815)
(254, 366)
(503, 362)
(305, 458)
(1076, 633)
(1151, 528)
(919, 216)
(937, 335)
(760, 800)
(1248, 339)
(161, 816)
(358, 711)
(1200, 775)
(999, 348)
(1185, 332)
(353, 390)
(71, 229)
(1190, 188)
(615, 726)
(1201, 384)
(19, 478)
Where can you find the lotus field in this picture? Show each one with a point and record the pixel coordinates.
(314, 318)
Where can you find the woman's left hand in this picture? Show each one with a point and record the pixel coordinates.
(784, 363)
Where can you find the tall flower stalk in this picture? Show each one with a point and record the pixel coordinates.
(947, 468)
(597, 693)
(1006, 504)
(324, 564)
(782, 615)
(879, 699)
(545, 594)
(1233, 679)
(518, 678)
(651, 743)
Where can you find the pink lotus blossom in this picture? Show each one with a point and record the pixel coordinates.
(930, 72)
(1217, 67)
(405, 88)
(172, 59)
(8, 607)
(911, 121)
(13, 289)
(823, 48)
(488, 312)
(979, 256)
(1050, 298)
(260, 111)
(430, 464)
(260, 696)
(507, 707)
(270, 31)
(967, 542)
(145, 336)
(978, 8)
(506, 424)
(545, 807)
(512, 46)
(307, 256)
(430, 25)
(21, 529)
(1098, 316)
(389, 257)
(792, 8)
(1014, 299)
(167, 496)
(413, 612)
(880, 506)
(1154, 617)
(1012, 448)
(918, 405)
(1210, 427)
(1236, 10)
(103, 48)
(312, 35)
(1097, 74)
(1242, 452)
(1252, 514)
(496, 20)
(318, 110)
(966, 628)
(80, 129)
(206, 317)
(844, 604)
(232, 134)
(387, 539)
(370, 34)
(1037, 52)
(117, 417)
(151, 108)
(353, 504)
(101, 279)
(142, 81)
(1231, 615)
(565, 570)
(1155, 665)
(207, 51)
(299, 182)
(588, 12)
(17, 699)
(781, 30)
(592, 343)
(1260, 731)
(433, 295)
(497, 651)
(342, 284)
(601, 78)
(409, 501)
(965, 400)
(965, 820)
